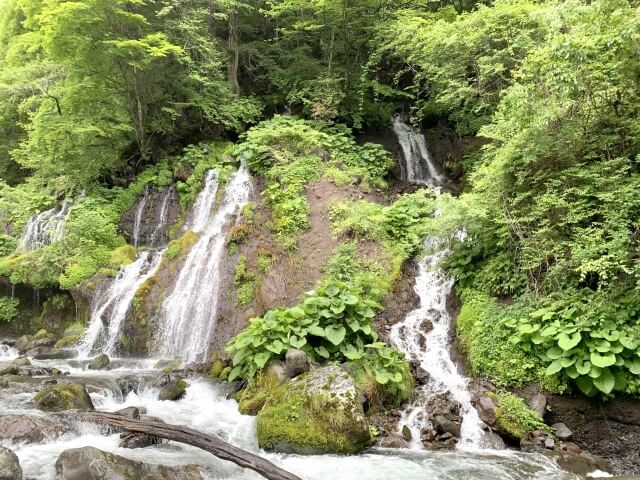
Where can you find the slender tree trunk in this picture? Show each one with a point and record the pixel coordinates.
(234, 52)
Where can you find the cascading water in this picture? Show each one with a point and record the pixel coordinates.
(7, 353)
(187, 316)
(163, 217)
(417, 164)
(45, 228)
(112, 306)
(137, 222)
(424, 334)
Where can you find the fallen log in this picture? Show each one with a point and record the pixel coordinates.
(177, 433)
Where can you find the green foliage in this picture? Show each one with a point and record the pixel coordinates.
(291, 153)
(333, 323)
(245, 280)
(8, 308)
(514, 416)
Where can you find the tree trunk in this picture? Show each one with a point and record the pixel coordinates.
(211, 444)
(234, 52)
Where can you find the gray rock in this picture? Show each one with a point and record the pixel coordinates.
(444, 425)
(538, 403)
(9, 465)
(582, 464)
(89, 463)
(486, 407)
(28, 429)
(45, 353)
(22, 362)
(65, 396)
(406, 433)
(130, 412)
(549, 443)
(8, 369)
(275, 368)
(562, 431)
(99, 363)
(296, 363)
(173, 390)
(138, 440)
(393, 441)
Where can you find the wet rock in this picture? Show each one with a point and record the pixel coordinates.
(66, 396)
(562, 431)
(582, 464)
(315, 413)
(406, 433)
(538, 403)
(571, 447)
(173, 390)
(44, 353)
(129, 384)
(443, 425)
(130, 412)
(138, 440)
(101, 362)
(22, 362)
(9, 465)
(276, 369)
(28, 429)
(549, 443)
(30, 342)
(296, 363)
(486, 407)
(89, 463)
(536, 441)
(422, 376)
(393, 441)
(168, 365)
(8, 369)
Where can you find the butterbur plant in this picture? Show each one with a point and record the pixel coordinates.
(333, 323)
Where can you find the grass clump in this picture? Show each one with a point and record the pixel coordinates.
(514, 416)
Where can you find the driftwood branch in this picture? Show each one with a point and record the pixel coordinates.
(211, 444)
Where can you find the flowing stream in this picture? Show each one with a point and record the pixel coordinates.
(45, 228)
(137, 221)
(112, 306)
(157, 236)
(188, 314)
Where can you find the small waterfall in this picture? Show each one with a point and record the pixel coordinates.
(418, 165)
(187, 317)
(430, 348)
(7, 353)
(45, 228)
(138, 218)
(163, 217)
(111, 308)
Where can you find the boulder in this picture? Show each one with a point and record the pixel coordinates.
(22, 362)
(99, 363)
(9, 465)
(173, 390)
(89, 463)
(486, 407)
(65, 396)
(130, 412)
(393, 441)
(581, 464)
(444, 425)
(296, 363)
(316, 413)
(138, 440)
(538, 403)
(8, 369)
(31, 342)
(28, 429)
(168, 365)
(562, 431)
(44, 353)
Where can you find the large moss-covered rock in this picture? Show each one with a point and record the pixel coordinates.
(318, 412)
(99, 363)
(56, 398)
(89, 463)
(259, 389)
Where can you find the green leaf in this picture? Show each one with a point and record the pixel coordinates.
(332, 290)
(554, 353)
(297, 312)
(553, 368)
(352, 353)
(297, 342)
(335, 334)
(236, 372)
(261, 359)
(316, 331)
(527, 328)
(583, 367)
(602, 361)
(628, 342)
(323, 352)
(605, 382)
(567, 342)
(585, 384)
(276, 347)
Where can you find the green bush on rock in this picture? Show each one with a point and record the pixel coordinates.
(514, 416)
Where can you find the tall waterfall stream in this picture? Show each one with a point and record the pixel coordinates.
(186, 329)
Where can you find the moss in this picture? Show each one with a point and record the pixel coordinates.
(257, 392)
(123, 255)
(239, 234)
(74, 329)
(514, 416)
(216, 369)
(224, 375)
(68, 340)
(299, 420)
(56, 398)
(248, 212)
(246, 282)
(41, 334)
(180, 247)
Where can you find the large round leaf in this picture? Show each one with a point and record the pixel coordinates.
(335, 334)
(567, 342)
(605, 382)
(603, 361)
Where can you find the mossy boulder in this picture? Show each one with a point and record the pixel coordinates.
(99, 363)
(513, 418)
(67, 341)
(173, 390)
(255, 395)
(66, 396)
(316, 413)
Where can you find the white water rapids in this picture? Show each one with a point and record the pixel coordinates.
(45, 228)
(206, 408)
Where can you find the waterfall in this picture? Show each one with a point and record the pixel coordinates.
(431, 349)
(111, 308)
(138, 217)
(45, 228)
(417, 164)
(163, 217)
(187, 316)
